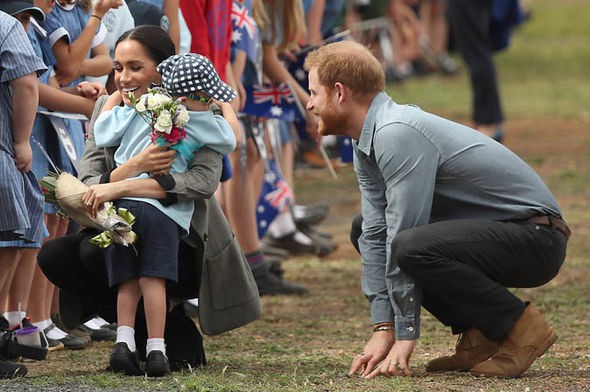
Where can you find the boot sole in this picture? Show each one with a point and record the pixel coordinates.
(552, 338)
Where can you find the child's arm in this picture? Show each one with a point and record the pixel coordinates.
(229, 115)
(171, 9)
(56, 99)
(114, 99)
(25, 97)
(70, 56)
(99, 64)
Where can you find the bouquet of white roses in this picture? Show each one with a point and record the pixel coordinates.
(167, 118)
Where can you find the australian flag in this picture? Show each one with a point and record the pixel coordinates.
(245, 34)
(273, 101)
(275, 197)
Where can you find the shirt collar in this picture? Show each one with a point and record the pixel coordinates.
(40, 30)
(365, 142)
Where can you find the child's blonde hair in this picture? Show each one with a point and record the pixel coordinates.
(292, 22)
(259, 14)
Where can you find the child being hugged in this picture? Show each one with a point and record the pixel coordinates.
(192, 83)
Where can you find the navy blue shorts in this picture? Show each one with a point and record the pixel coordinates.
(157, 246)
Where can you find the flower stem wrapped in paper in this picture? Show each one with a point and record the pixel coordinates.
(65, 192)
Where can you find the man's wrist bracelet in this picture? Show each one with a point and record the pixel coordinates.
(383, 328)
(387, 326)
(96, 16)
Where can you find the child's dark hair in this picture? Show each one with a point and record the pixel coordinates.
(154, 39)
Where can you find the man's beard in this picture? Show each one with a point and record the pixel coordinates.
(332, 122)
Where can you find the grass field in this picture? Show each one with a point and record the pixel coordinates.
(307, 343)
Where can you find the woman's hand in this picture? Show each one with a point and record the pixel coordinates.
(397, 362)
(156, 160)
(97, 194)
(376, 349)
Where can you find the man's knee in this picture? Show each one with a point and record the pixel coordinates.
(356, 231)
(406, 250)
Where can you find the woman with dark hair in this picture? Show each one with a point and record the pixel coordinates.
(208, 252)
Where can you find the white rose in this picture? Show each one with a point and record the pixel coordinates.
(182, 117)
(140, 106)
(158, 101)
(164, 123)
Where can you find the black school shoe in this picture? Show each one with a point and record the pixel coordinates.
(123, 360)
(156, 364)
(270, 284)
(9, 370)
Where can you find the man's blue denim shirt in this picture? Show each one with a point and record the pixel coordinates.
(415, 168)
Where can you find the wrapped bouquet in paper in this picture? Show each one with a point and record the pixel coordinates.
(65, 192)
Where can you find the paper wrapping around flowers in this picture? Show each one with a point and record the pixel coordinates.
(69, 191)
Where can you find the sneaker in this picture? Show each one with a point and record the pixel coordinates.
(270, 284)
(9, 370)
(123, 360)
(156, 364)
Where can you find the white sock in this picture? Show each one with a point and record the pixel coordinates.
(302, 238)
(193, 301)
(155, 344)
(43, 324)
(92, 324)
(100, 321)
(127, 335)
(298, 211)
(14, 318)
(54, 333)
(282, 225)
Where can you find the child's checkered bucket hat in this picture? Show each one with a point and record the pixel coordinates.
(185, 74)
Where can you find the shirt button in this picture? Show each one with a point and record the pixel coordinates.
(411, 299)
(410, 329)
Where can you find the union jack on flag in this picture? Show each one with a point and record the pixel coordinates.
(275, 197)
(273, 101)
(241, 19)
(273, 93)
(245, 34)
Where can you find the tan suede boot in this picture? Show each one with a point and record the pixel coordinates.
(472, 348)
(528, 339)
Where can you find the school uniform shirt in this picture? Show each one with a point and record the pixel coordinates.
(123, 127)
(416, 168)
(21, 207)
(67, 22)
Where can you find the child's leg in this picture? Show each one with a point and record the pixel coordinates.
(154, 300)
(8, 262)
(127, 299)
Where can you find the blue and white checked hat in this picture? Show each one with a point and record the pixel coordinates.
(184, 74)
